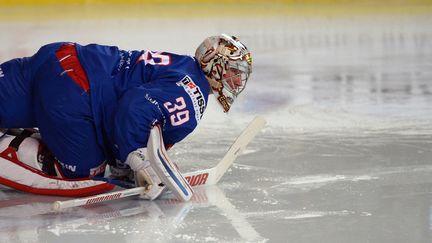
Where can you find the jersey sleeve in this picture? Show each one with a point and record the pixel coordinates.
(136, 114)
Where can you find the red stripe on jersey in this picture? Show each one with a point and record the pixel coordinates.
(68, 58)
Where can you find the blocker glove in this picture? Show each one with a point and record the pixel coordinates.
(144, 174)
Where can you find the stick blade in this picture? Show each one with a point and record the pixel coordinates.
(208, 177)
(239, 145)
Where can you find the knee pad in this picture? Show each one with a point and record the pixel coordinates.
(23, 160)
(31, 151)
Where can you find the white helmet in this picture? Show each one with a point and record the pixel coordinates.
(227, 64)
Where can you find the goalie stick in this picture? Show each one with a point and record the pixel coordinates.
(204, 177)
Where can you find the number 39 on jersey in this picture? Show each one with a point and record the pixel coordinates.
(179, 113)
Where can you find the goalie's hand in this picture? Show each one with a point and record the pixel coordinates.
(144, 174)
(122, 174)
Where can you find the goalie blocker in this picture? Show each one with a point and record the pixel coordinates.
(155, 171)
(166, 169)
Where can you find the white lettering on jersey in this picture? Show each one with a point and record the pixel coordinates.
(68, 167)
(125, 60)
(155, 103)
(195, 94)
(1, 73)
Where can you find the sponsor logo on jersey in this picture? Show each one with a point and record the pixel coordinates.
(1, 73)
(68, 167)
(195, 94)
(154, 102)
(125, 60)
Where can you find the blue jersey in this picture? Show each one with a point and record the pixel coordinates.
(133, 90)
(95, 104)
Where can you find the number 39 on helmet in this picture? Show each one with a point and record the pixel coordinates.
(227, 64)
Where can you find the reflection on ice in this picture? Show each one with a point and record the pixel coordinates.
(146, 220)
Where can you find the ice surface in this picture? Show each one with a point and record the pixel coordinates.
(346, 155)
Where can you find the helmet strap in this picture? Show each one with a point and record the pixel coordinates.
(223, 101)
(217, 86)
(214, 84)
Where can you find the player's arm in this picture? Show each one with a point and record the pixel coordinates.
(137, 117)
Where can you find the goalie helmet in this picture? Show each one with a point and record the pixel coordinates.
(227, 64)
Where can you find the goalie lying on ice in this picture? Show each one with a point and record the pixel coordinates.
(97, 105)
